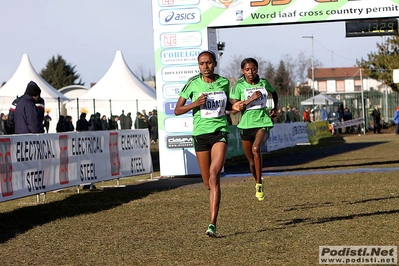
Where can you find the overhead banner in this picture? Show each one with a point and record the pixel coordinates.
(183, 28)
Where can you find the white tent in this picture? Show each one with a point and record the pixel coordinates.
(119, 89)
(120, 83)
(321, 99)
(25, 72)
(16, 86)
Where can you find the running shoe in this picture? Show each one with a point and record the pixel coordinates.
(211, 232)
(259, 191)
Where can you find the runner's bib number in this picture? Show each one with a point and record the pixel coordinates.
(258, 103)
(215, 104)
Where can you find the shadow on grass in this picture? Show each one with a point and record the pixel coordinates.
(295, 158)
(328, 204)
(23, 219)
(306, 221)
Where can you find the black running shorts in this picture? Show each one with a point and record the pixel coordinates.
(205, 142)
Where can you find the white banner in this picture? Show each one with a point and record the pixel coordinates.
(348, 123)
(287, 135)
(32, 164)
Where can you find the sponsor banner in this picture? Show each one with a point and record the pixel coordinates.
(181, 39)
(180, 56)
(172, 3)
(179, 124)
(179, 141)
(174, 74)
(33, 164)
(169, 107)
(134, 152)
(172, 90)
(353, 122)
(317, 131)
(286, 135)
(179, 16)
(225, 13)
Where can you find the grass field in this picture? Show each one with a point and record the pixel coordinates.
(133, 226)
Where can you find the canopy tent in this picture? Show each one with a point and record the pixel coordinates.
(120, 83)
(25, 72)
(119, 89)
(321, 99)
(16, 86)
(328, 103)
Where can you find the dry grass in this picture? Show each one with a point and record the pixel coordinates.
(125, 226)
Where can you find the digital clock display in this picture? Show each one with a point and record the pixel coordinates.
(371, 27)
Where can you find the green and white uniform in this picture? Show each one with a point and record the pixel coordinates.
(255, 114)
(209, 117)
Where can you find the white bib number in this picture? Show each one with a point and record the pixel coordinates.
(258, 103)
(215, 104)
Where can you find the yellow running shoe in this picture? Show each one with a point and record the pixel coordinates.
(260, 194)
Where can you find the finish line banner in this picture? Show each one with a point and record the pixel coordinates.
(32, 164)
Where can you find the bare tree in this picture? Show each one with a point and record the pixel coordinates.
(233, 71)
(140, 72)
(270, 73)
(290, 66)
(302, 64)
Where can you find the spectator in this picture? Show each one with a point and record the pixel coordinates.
(376, 114)
(150, 114)
(281, 116)
(292, 115)
(82, 124)
(61, 124)
(145, 123)
(97, 124)
(113, 123)
(11, 114)
(324, 115)
(68, 123)
(28, 118)
(334, 120)
(396, 120)
(46, 121)
(306, 115)
(129, 121)
(347, 116)
(288, 114)
(104, 123)
(340, 116)
(137, 120)
(296, 114)
(91, 122)
(122, 120)
(154, 126)
(144, 113)
(3, 124)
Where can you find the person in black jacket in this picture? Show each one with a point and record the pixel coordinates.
(61, 124)
(28, 118)
(96, 123)
(40, 104)
(376, 114)
(82, 124)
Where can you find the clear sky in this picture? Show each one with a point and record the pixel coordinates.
(87, 34)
